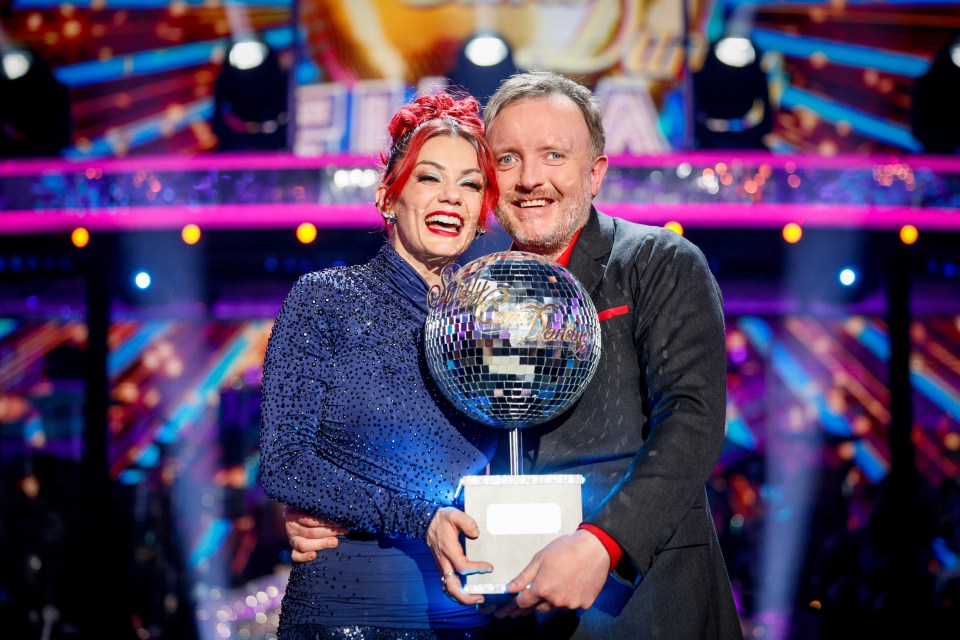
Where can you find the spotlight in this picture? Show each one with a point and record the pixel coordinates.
(486, 51)
(731, 97)
(16, 63)
(484, 60)
(247, 54)
(38, 121)
(933, 113)
(250, 99)
(847, 277)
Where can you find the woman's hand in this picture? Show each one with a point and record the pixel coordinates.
(443, 538)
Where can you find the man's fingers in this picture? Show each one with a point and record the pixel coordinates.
(303, 556)
(304, 545)
(522, 581)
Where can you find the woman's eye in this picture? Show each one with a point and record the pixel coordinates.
(470, 184)
(428, 177)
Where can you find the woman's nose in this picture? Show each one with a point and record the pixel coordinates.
(452, 193)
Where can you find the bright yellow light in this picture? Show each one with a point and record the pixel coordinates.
(674, 226)
(306, 232)
(190, 234)
(80, 237)
(908, 234)
(792, 232)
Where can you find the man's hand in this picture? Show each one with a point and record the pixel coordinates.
(443, 538)
(308, 534)
(568, 573)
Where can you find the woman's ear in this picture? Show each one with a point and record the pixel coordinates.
(381, 197)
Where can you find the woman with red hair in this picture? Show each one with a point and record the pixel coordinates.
(354, 430)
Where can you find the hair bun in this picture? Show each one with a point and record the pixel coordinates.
(465, 110)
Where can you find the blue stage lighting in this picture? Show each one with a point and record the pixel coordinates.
(142, 279)
(847, 276)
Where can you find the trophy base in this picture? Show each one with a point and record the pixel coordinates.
(518, 516)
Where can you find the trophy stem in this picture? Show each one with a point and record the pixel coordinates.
(516, 461)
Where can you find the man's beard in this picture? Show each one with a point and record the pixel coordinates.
(574, 211)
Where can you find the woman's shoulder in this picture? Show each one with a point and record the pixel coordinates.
(340, 279)
(331, 286)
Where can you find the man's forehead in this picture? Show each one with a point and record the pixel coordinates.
(552, 121)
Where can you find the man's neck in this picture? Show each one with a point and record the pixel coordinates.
(562, 255)
(537, 250)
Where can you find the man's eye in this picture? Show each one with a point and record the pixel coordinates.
(555, 155)
(506, 160)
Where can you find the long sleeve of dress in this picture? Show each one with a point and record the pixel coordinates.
(351, 429)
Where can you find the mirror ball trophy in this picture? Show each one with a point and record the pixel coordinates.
(512, 340)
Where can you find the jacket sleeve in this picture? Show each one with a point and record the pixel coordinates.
(679, 336)
(295, 468)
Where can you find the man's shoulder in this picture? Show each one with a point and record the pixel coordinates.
(627, 233)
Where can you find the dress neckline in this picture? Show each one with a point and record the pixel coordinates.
(401, 276)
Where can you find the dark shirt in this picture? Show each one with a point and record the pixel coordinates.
(355, 430)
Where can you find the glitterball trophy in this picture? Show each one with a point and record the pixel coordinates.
(512, 339)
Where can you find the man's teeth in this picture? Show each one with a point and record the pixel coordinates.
(533, 203)
(453, 221)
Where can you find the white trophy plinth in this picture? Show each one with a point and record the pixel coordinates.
(517, 515)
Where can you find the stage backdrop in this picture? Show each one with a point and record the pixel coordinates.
(142, 76)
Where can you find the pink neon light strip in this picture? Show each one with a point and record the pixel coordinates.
(364, 216)
(274, 161)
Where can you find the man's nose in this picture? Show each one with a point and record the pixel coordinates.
(531, 176)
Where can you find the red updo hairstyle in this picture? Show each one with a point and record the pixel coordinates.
(435, 115)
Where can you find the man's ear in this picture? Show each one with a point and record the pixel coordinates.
(597, 171)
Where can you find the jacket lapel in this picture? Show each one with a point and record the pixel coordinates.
(588, 260)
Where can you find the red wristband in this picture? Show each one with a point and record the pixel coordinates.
(608, 543)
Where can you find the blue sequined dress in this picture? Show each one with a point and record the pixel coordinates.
(355, 430)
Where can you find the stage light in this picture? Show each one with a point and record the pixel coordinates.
(483, 62)
(190, 234)
(792, 232)
(80, 237)
(933, 115)
(735, 52)
(247, 54)
(731, 97)
(16, 63)
(847, 277)
(909, 234)
(38, 121)
(486, 50)
(250, 99)
(306, 232)
(142, 280)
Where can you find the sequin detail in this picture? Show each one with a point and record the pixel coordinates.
(355, 430)
(313, 632)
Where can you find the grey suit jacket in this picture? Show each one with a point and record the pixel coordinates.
(646, 434)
